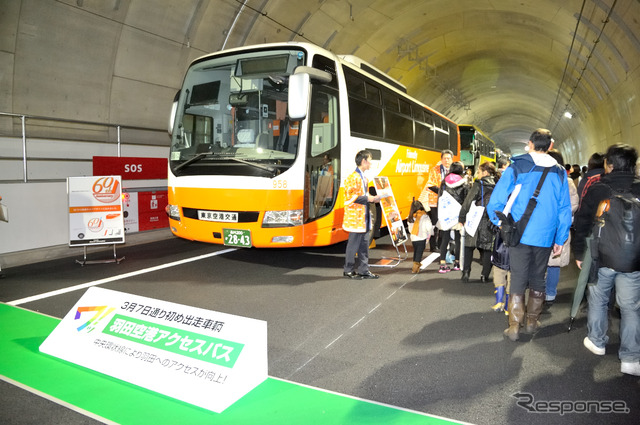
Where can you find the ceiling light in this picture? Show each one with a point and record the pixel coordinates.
(568, 114)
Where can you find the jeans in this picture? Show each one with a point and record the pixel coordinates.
(553, 277)
(627, 286)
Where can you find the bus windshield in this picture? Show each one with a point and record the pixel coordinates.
(232, 118)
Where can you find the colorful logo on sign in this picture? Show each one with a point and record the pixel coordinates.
(95, 224)
(106, 189)
(99, 313)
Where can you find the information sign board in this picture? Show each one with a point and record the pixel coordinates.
(202, 357)
(390, 210)
(95, 210)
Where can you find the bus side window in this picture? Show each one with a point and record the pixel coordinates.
(323, 128)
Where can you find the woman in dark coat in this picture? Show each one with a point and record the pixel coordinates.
(479, 194)
(456, 185)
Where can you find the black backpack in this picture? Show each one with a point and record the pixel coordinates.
(616, 232)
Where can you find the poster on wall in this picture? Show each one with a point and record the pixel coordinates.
(390, 211)
(95, 210)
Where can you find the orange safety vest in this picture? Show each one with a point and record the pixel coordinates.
(355, 219)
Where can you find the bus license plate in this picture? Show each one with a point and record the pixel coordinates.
(237, 237)
(228, 217)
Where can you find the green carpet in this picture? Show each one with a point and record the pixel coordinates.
(272, 402)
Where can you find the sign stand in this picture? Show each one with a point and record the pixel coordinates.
(96, 215)
(392, 261)
(115, 258)
(392, 217)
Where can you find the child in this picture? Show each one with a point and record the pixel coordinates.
(421, 230)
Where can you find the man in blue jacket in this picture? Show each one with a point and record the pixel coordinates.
(547, 230)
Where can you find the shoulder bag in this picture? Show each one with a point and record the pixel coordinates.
(511, 230)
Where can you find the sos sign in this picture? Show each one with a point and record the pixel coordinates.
(130, 168)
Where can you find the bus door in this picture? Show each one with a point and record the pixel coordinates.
(322, 172)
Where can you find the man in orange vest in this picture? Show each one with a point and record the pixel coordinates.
(357, 219)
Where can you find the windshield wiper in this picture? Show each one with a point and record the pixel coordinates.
(196, 158)
(253, 164)
(202, 155)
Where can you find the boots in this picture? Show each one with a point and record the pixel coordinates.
(500, 302)
(534, 308)
(506, 304)
(516, 316)
(416, 267)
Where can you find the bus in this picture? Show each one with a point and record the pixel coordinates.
(475, 147)
(263, 136)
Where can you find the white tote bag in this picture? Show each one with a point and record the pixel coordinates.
(448, 211)
(473, 219)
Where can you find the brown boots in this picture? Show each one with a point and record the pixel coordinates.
(534, 308)
(416, 267)
(517, 314)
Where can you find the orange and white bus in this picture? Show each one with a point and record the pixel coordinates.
(263, 136)
(475, 147)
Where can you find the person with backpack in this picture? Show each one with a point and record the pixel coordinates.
(538, 189)
(610, 212)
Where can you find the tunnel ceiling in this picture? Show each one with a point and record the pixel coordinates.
(508, 66)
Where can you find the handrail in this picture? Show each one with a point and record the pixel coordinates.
(118, 127)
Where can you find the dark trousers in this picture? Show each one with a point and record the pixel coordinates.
(485, 260)
(528, 265)
(434, 240)
(444, 244)
(418, 249)
(358, 243)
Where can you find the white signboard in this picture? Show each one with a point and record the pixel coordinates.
(95, 210)
(202, 357)
(390, 211)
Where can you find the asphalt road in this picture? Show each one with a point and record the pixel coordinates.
(426, 342)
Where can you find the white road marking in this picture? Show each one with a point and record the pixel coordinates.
(118, 277)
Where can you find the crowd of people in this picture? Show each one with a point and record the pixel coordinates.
(550, 209)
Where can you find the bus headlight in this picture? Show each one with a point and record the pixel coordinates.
(173, 211)
(282, 218)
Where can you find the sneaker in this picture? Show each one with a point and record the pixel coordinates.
(444, 269)
(592, 347)
(456, 266)
(630, 368)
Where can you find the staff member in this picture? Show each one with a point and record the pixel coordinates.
(357, 219)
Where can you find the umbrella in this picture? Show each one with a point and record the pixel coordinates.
(583, 279)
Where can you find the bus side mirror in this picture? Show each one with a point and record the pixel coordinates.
(299, 89)
(299, 93)
(172, 116)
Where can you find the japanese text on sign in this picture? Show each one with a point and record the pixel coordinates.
(178, 341)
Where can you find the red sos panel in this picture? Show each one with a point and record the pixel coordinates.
(130, 168)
